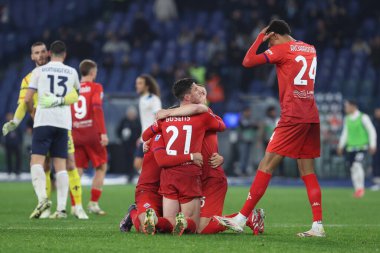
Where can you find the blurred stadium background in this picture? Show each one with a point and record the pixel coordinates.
(207, 40)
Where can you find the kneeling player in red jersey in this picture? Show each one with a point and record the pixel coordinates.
(181, 185)
(214, 181)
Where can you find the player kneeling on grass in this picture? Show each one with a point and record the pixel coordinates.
(214, 181)
(51, 126)
(181, 185)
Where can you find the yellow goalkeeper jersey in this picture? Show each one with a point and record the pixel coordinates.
(24, 88)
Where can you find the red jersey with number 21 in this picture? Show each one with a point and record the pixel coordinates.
(296, 66)
(184, 135)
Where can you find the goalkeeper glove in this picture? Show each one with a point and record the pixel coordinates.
(9, 127)
(50, 100)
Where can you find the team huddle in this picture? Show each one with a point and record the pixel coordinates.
(182, 185)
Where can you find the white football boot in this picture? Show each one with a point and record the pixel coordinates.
(80, 213)
(93, 207)
(231, 223)
(316, 230)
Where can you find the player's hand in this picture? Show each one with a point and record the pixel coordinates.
(198, 159)
(104, 140)
(162, 114)
(9, 127)
(339, 151)
(50, 100)
(266, 36)
(146, 146)
(216, 160)
(372, 151)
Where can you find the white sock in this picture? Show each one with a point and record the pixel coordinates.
(62, 189)
(357, 176)
(241, 219)
(39, 181)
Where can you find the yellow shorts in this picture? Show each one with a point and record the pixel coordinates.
(70, 144)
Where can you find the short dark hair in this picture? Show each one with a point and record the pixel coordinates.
(58, 47)
(352, 102)
(279, 26)
(85, 67)
(36, 44)
(182, 87)
(152, 84)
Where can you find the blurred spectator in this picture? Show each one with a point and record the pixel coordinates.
(4, 14)
(81, 48)
(247, 134)
(13, 143)
(141, 29)
(198, 72)
(375, 52)
(114, 45)
(129, 131)
(376, 157)
(165, 10)
(216, 45)
(270, 123)
(360, 46)
(215, 94)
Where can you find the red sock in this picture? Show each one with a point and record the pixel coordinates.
(258, 187)
(191, 226)
(213, 227)
(72, 199)
(314, 194)
(135, 219)
(95, 194)
(163, 225)
(230, 215)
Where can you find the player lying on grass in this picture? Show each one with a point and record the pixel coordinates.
(39, 55)
(297, 134)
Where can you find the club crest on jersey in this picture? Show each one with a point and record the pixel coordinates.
(158, 136)
(146, 205)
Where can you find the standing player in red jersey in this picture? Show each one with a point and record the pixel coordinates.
(89, 131)
(181, 185)
(297, 134)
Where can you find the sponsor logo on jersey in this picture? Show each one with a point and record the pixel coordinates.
(85, 89)
(303, 94)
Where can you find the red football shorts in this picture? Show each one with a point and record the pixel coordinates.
(97, 154)
(298, 141)
(176, 186)
(148, 199)
(214, 192)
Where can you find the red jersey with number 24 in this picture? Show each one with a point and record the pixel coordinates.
(296, 66)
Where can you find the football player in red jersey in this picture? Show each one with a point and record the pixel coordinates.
(181, 185)
(297, 134)
(89, 131)
(214, 181)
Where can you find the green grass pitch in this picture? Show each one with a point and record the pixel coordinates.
(352, 225)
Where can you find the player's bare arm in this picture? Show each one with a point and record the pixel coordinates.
(185, 110)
